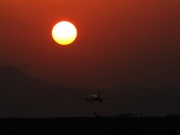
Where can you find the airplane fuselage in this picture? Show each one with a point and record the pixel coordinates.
(94, 98)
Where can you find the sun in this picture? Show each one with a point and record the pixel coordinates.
(64, 33)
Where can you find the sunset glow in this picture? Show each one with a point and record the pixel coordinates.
(53, 53)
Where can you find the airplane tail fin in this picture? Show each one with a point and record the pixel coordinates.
(99, 93)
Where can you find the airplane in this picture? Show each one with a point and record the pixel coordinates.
(95, 98)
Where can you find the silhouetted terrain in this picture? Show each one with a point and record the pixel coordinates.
(22, 95)
(89, 126)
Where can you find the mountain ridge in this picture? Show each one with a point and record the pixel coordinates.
(22, 95)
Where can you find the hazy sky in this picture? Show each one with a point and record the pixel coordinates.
(118, 41)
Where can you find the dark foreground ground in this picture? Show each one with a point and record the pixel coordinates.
(90, 126)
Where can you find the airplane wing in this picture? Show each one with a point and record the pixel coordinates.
(82, 98)
(106, 98)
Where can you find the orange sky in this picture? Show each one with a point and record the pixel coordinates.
(118, 42)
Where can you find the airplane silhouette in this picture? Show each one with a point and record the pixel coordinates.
(95, 98)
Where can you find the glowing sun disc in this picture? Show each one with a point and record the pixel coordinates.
(64, 33)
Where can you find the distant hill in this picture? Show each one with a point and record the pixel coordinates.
(12, 77)
(22, 95)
